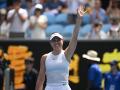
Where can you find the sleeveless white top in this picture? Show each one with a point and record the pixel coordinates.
(57, 68)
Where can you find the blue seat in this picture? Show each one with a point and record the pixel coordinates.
(68, 30)
(54, 28)
(86, 19)
(106, 27)
(51, 18)
(85, 30)
(61, 19)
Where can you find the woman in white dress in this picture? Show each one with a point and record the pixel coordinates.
(55, 64)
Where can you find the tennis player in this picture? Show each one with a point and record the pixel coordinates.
(55, 64)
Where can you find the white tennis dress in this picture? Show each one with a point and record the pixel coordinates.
(57, 72)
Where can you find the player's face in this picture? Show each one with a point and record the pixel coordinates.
(57, 43)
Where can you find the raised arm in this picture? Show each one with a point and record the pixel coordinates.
(73, 42)
(41, 75)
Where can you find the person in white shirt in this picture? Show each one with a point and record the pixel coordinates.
(97, 33)
(55, 64)
(38, 10)
(38, 32)
(17, 16)
(4, 25)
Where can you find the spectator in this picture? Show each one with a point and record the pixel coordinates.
(42, 1)
(94, 72)
(112, 78)
(64, 9)
(36, 1)
(98, 13)
(38, 10)
(64, 1)
(72, 7)
(42, 25)
(114, 32)
(96, 32)
(6, 73)
(17, 16)
(90, 2)
(113, 10)
(4, 25)
(53, 6)
(26, 3)
(30, 75)
(30, 27)
(36, 30)
(30, 7)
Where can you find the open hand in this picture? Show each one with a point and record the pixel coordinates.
(81, 11)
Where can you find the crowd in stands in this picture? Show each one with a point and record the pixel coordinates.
(37, 19)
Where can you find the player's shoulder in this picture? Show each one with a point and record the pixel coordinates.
(44, 56)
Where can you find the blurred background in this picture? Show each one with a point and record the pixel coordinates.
(25, 28)
(37, 19)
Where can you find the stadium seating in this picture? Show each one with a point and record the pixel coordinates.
(51, 18)
(54, 28)
(86, 19)
(84, 30)
(106, 27)
(61, 19)
(68, 30)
